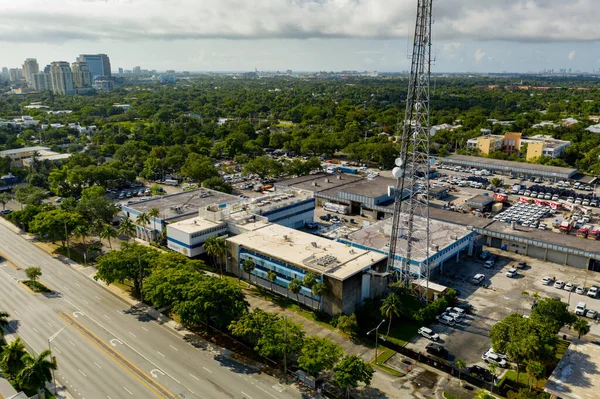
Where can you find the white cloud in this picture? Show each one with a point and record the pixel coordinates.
(479, 55)
(125, 20)
(572, 55)
(452, 50)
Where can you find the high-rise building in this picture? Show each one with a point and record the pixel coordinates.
(30, 68)
(61, 77)
(47, 69)
(82, 76)
(5, 71)
(99, 64)
(42, 82)
(137, 70)
(120, 71)
(104, 84)
(15, 74)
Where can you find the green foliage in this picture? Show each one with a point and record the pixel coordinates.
(168, 285)
(554, 313)
(4, 198)
(527, 394)
(318, 288)
(11, 358)
(263, 167)
(216, 248)
(351, 370)
(4, 322)
(536, 371)
(37, 371)
(33, 273)
(55, 224)
(199, 168)
(309, 280)
(36, 286)
(248, 266)
(30, 195)
(483, 394)
(582, 327)
(218, 184)
(348, 325)
(319, 354)
(249, 326)
(294, 286)
(392, 305)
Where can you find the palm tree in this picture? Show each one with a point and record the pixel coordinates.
(216, 248)
(248, 266)
(142, 220)
(11, 358)
(318, 288)
(460, 365)
(126, 228)
(107, 233)
(295, 286)
(272, 276)
(582, 327)
(3, 322)
(154, 213)
(37, 371)
(391, 306)
(81, 232)
(536, 371)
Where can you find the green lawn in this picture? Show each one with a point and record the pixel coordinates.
(126, 286)
(76, 256)
(401, 332)
(449, 395)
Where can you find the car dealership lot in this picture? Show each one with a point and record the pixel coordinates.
(468, 339)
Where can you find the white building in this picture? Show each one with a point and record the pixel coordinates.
(61, 77)
(30, 68)
(82, 77)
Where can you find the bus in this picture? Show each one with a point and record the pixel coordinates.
(337, 208)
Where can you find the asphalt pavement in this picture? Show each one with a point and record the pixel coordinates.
(108, 349)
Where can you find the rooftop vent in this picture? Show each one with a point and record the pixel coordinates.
(326, 260)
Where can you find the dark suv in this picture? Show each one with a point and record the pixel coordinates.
(437, 350)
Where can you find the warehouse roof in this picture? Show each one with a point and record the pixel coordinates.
(576, 375)
(319, 182)
(508, 166)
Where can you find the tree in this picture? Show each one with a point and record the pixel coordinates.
(126, 228)
(250, 325)
(272, 276)
(496, 182)
(56, 224)
(142, 220)
(554, 313)
(460, 365)
(29, 195)
(319, 354)
(218, 184)
(95, 207)
(348, 325)
(309, 280)
(493, 367)
(107, 232)
(581, 326)
(33, 273)
(216, 248)
(81, 232)
(295, 286)
(536, 371)
(4, 198)
(37, 371)
(11, 358)
(391, 306)
(280, 339)
(483, 394)
(350, 371)
(199, 168)
(319, 288)
(3, 322)
(131, 262)
(263, 166)
(154, 213)
(248, 266)
(167, 285)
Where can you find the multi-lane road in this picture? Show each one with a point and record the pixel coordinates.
(107, 350)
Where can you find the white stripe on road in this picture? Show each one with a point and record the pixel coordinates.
(59, 272)
(119, 312)
(207, 370)
(245, 394)
(107, 317)
(196, 378)
(265, 391)
(131, 333)
(128, 391)
(145, 329)
(160, 354)
(56, 349)
(97, 297)
(35, 329)
(86, 302)
(97, 365)
(15, 312)
(71, 343)
(174, 348)
(77, 284)
(49, 324)
(82, 373)
(29, 306)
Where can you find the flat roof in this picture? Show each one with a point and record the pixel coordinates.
(189, 201)
(193, 225)
(509, 165)
(324, 181)
(306, 251)
(24, 149)
(480, 199)
(375, 187)
(576, 375)
(441, 234)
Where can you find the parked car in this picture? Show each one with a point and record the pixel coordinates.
(482, 373)
(521, 265)
(592, 314)
(488, 264)
(484, 254)
(494, 358)
(547, 280)
(477, 279)
(580, 290)
(445, 319)
(512, 272)
(437, 350)
(593, 291)
(569, 287)
(428, 333)
(559, 284)
(580, 308)
(312, 225)
(455, 309)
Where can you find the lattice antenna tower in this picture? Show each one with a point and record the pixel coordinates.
(410, 223)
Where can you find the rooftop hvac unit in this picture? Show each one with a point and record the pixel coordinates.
(454, 237)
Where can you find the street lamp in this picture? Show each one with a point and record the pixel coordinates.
(50, 349)
(376, 329)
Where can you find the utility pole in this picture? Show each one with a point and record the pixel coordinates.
(285, 345)
(376, 329)
(141, 278)
(67, 241)
(50, 349)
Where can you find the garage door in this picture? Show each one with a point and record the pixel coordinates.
(496, 242)
(536, 252)
(556, 257)
(578, 261)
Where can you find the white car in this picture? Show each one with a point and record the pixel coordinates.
(500, 355)
(559, 284)
(580, 290)
(592, 292)
(569, 287)
(477, 279)
(428, 333)
(547, 280)
(494, 358)
(512, 272)
(580, 308)
(456, 310)
(488, 264)
(445, 319)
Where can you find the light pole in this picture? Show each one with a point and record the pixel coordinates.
(50, 349)
(572, 288)
(376, 329)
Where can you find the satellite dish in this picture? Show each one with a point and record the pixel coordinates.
(399, 162)
(397, 172)
(432, 132)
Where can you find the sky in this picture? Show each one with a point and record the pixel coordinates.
(303, 35)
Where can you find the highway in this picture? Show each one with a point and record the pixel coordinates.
(108, 349)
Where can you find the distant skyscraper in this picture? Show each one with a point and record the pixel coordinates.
(82, 76)
(99, 64)
(30, 68)
(137, 70)
(104, 84)
(15, 74)
(61, 77)
(42, 82)
(47, 69)
(5, 71)
(120, 71)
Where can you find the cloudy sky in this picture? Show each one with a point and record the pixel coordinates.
(303, 35)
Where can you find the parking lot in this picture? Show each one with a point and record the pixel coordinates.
(468, 339)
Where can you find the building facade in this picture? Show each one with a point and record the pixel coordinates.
(42, 81)
(82, 76)
(15, 75)
(61, 77)
(30, 68)
(514, 143)
(99, 64)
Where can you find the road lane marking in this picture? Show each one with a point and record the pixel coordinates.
(17, 313)
(207, 370)
(145, 329)
(56, 349)
(71, 342)
(196, 378)
(128, 391)
(29, 306)
(132, 334)
(59, 272)
(97, 297)
(177, 350)
(35, 329)
(245, 394)
(160, 354)
(265, 391)
(97, 365)
(77, 284)
(107, 317)
(118, 311)
(86, 302)
(82, 373)
(1, 299)
(49, 324)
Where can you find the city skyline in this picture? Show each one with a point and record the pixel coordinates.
(498, 36)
